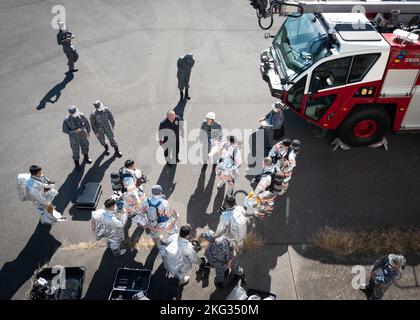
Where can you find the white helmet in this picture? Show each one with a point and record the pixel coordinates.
(397, 260)
(211, 116)
(61, 25)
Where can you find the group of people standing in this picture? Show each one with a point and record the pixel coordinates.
(178, 252)
(78, 128)
(155, 214)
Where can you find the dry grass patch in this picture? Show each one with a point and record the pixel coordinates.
(253, 241)
(345, 242)
(83, 245)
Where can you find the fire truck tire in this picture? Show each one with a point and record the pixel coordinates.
(364, 126)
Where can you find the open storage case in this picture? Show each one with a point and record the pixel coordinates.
(129, 282)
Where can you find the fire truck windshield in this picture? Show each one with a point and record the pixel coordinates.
(300, 43)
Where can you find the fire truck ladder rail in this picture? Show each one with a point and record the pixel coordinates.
(294, 8)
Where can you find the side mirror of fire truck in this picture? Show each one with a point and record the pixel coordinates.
(291, 10)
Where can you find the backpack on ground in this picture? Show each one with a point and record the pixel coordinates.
(22, 186)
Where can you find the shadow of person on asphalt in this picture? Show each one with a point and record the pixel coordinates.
(102, 282)
(163, 286)
(198, 202)
(180, 107)
(166, 180)
(221, 294)
(37, 252)
(219, 199)
(95, 174)
(68, 190)
(255, 154)
(54, 94)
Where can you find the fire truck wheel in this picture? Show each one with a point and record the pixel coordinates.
(364, 126)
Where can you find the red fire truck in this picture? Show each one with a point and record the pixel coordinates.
(344, 72)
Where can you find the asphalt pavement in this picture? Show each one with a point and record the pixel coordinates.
(128, 51)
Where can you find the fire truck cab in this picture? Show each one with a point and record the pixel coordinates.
(338, 72)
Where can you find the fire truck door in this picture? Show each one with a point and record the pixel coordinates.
(325, 89)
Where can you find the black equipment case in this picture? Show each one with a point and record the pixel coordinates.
(71, 289)
(128, 282)
(89, 195)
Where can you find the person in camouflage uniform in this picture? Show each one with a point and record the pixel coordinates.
(385, 272)
(103, 123)
(184, 65)
(64, 38)
(220, 254)
(77, 126)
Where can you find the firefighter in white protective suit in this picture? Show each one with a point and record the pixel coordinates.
(157, 216)
(178, 255)
(108, 223)
(41, 192)
(229, 163)
(131, 179)
(283, 155)
(266, 177)
(261, 197)
(233, 223)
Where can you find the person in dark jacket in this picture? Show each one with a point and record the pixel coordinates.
(384, 273)
(64, 39)
(273, 124)
(184, 66)
(170, 129)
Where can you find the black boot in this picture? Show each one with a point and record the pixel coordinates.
(87, 159)
(76, 163)
(181, 95)
(241, 277)
(243, 280)
(226, 274)
(118, 153)
(219, 285)
(187, 95)
(106, 150)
